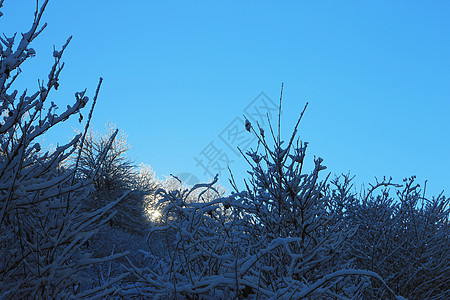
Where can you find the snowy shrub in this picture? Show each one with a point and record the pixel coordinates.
(403, 237)
(42, 229)
(117, 174)
(279, 238)
(146, 180)
(116, 171)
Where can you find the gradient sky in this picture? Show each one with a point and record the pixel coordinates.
(178, 73)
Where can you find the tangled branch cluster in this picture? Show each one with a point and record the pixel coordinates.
(42, 229)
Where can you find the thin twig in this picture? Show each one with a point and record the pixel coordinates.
(86, 128)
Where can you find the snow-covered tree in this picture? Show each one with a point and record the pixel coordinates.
(42, 231)
(116, 174)
(116, 171)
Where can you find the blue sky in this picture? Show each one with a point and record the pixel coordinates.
(178, 73)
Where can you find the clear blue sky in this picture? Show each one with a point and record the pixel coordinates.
(178, 73)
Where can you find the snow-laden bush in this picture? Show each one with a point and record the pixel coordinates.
(116, 171)
(402, 236)
(117, 174)
(42, 231)
(281, 237)
(146, 180)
